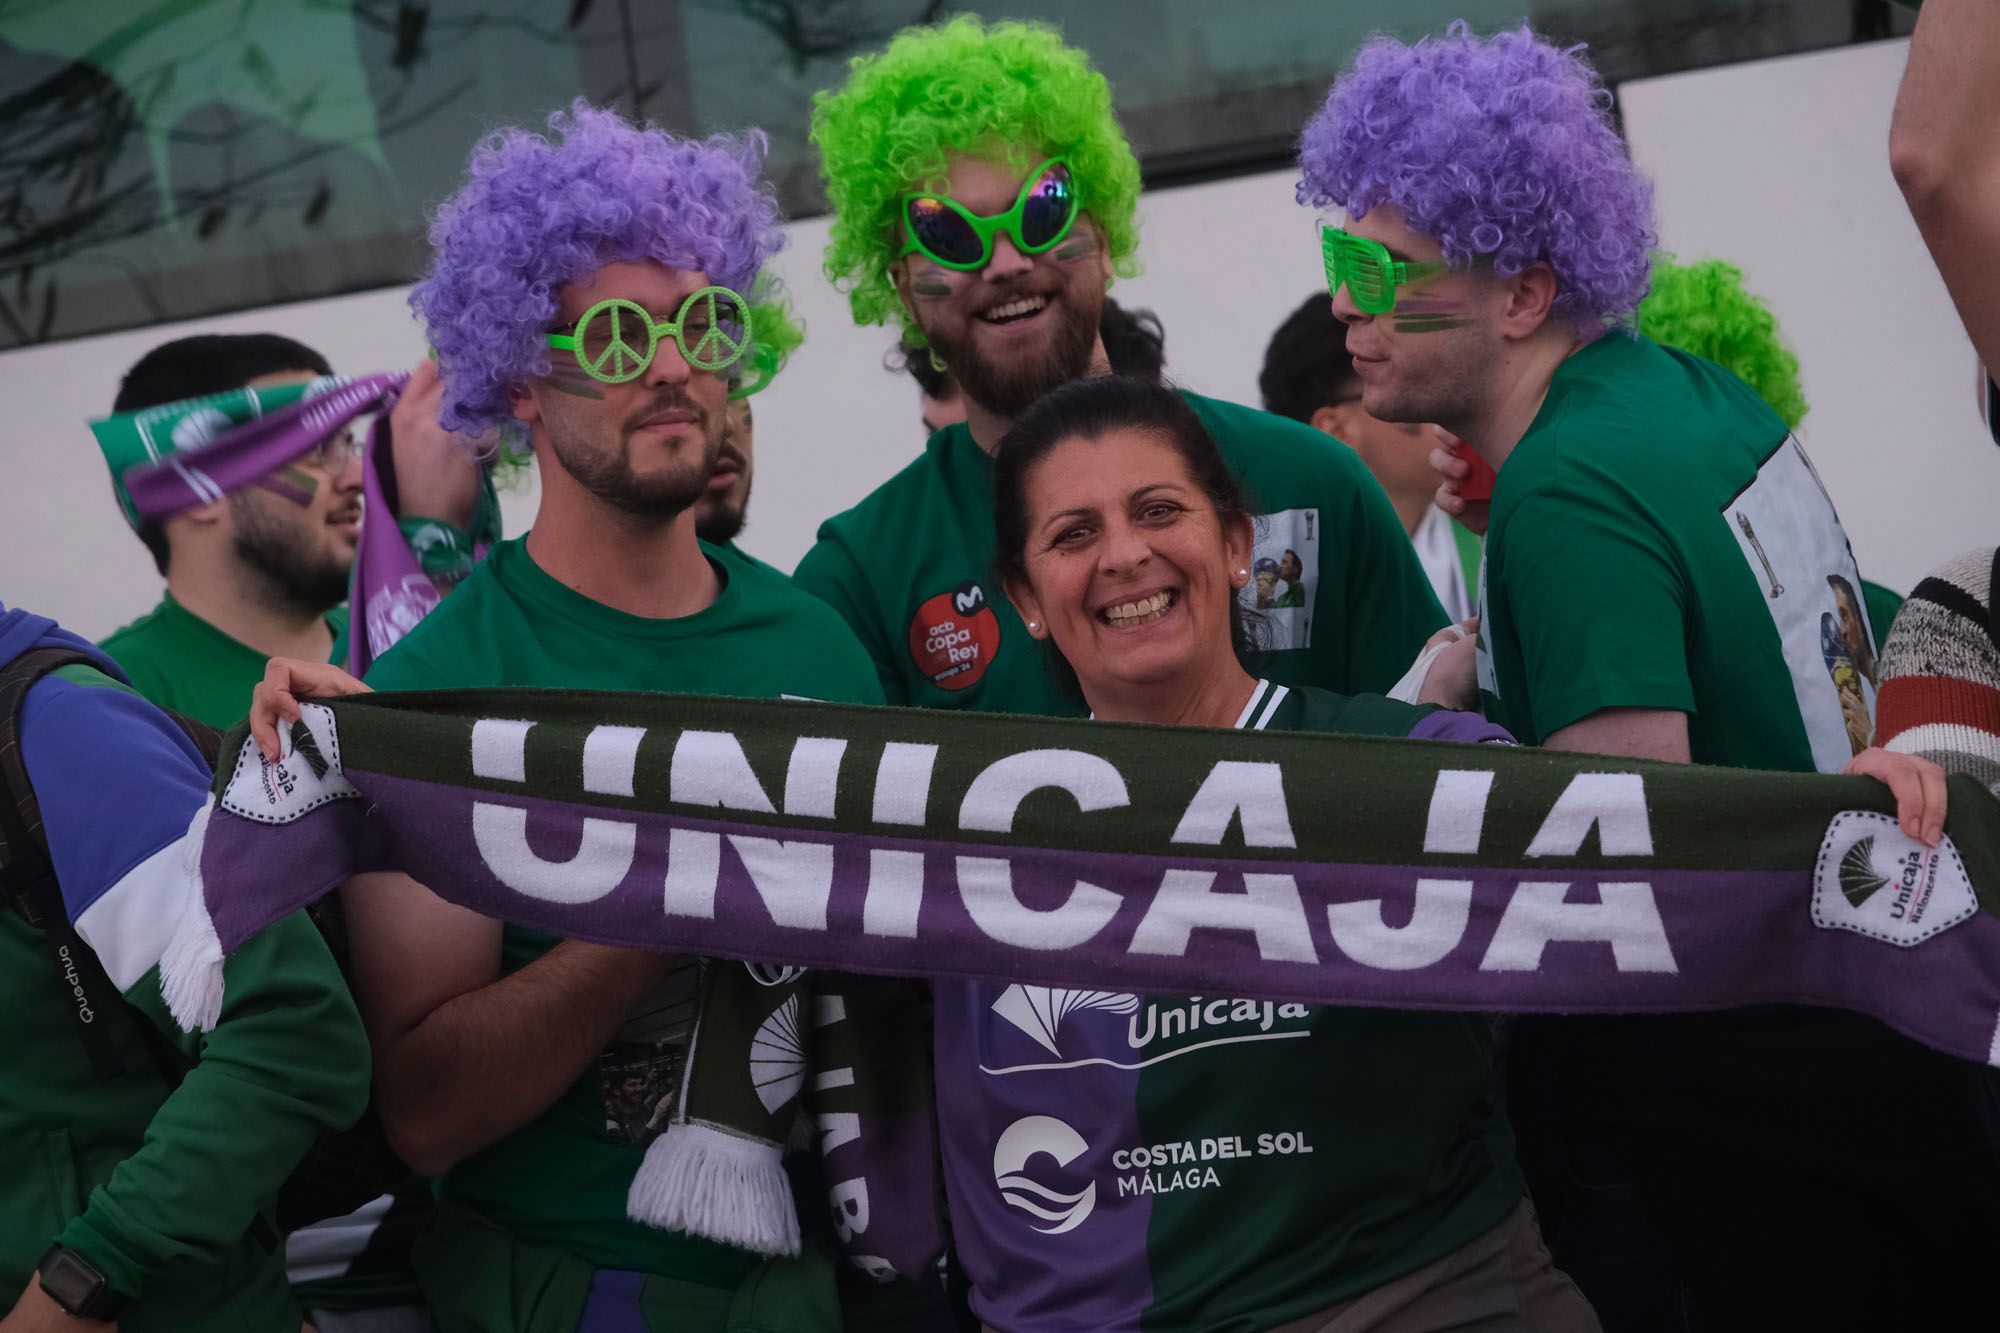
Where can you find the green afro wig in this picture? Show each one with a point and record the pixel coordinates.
(959, 87)
(1705, 309)
(776, 332)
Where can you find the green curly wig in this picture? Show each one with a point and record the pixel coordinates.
(1704, 308)
(777, 334)
(952, 88)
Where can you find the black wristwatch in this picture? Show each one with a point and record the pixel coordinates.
(74, 1283)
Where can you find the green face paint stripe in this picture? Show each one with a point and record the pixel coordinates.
(1076, 249)
(1429, 324)
(930, 287)
(1430, 306)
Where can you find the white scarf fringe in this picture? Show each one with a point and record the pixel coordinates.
(191, 965)
(708, 1182)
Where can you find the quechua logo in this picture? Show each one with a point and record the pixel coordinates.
(953, 637)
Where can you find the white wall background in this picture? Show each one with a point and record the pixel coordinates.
(1781, 166)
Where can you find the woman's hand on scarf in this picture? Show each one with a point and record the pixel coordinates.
(276, 698)
(1918, 785)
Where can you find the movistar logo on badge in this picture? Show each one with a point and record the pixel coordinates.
(1042, 1136)
(1130, 1035)
(1875, 880)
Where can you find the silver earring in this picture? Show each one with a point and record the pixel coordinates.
(1242, 575)
(1034, 627)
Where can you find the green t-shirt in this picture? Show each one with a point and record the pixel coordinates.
(1659, 540)
(732, 555)
(182, 663)
(1883, 604)
(911, 570)
(561, 1180)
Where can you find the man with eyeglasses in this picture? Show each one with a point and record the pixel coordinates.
(1309, 377)
(602, 287)
(1660, 564)
(983, 197)
(262, 571)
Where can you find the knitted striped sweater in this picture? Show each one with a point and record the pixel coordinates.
(1940, 692)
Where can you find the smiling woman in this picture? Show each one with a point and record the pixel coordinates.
(1123, 537)
(1365, 1150)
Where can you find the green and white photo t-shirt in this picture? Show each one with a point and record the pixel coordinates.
(1659, 540)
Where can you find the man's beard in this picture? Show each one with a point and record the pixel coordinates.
(1011, 389)
(608, 474)
(1443, 390)
(293, 578)
(719, 523)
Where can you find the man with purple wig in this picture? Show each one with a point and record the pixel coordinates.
(1655, 579)
(592, 286)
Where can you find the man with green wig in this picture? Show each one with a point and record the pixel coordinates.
(983, 199)
(984, 196)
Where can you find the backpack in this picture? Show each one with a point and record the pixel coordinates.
(343, 1169)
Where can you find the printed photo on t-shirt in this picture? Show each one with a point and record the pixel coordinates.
(1284, 577)
(641, 1068)
(1794, 547)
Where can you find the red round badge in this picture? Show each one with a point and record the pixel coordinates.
(954, 637)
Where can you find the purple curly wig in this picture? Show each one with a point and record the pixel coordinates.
(537, 213)
(1500, 146)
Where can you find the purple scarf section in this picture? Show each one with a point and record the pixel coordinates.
(389, 592)
(1502, 940)
(191, 477)
(1406, 875)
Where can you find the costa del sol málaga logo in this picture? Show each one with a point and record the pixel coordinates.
(1042, 1136)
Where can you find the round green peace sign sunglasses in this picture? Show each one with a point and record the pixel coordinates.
(1372, 277)
(615, 339)
(946, 232)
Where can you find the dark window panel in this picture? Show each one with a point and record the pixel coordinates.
(214, 161)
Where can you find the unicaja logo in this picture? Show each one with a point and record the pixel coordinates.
(1875, 880)
(1039, 1010)
(1038, 1136)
